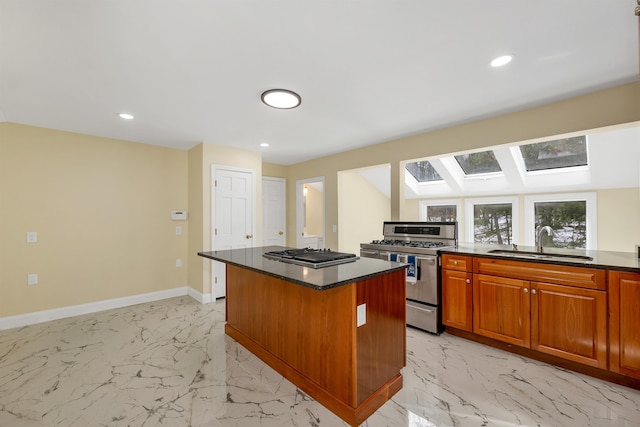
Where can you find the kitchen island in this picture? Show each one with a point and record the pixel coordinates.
(338, 333)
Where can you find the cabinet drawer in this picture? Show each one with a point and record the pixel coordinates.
(456, 262)
(590, 278)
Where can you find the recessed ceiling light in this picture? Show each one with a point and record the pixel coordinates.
(125, 116)
(501, 60)
(281, 98)
(264, 144)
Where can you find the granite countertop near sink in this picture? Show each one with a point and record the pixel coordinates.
(622, 261)
(316, 278)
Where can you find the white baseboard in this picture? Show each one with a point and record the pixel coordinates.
(93, 307)
(201, 298)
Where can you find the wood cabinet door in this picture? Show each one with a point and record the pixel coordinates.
(569, 322)
(501, 309)
(624, 318)
(457, 299)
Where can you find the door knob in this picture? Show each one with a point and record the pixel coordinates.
(249, 236)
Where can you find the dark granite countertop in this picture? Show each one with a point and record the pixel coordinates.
(622, 261)
(316, 278)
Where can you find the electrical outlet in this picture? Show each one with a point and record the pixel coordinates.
(361, 315)
(32, 279)
(32, 237)
(178, 229)
(178, 262)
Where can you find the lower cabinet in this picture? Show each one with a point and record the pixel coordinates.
(570, 323)
(457, 300)
(501, 309)
(565, 321)
(586, 315)
(624, 321)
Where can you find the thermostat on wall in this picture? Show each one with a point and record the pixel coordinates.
(178, 215)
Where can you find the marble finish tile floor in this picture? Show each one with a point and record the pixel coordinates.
(168, 363)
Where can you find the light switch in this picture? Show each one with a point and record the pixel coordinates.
(32, 279)
(361, 315)
(178, 229)
(178, 262)
(32, 237)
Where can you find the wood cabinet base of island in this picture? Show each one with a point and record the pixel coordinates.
(310, 336)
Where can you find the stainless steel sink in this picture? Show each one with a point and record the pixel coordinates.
(539, 255)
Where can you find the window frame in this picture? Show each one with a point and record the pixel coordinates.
(592, 214)
(515, 215)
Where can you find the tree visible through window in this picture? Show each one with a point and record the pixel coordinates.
(423, 171)
(442, 213)
(477, 163)
(492, 223)
(568, 220)
(560, 153)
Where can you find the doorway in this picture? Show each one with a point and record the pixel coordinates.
(310, 227)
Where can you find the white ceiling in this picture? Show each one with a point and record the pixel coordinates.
(368, 71)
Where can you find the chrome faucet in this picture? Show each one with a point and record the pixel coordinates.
(539, 235)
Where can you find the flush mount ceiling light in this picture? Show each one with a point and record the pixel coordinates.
(125, 116)
(281, 98)
(501, 60)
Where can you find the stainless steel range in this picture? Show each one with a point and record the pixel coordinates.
(417, 244)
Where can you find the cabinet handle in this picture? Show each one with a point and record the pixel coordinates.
(248, 236)
(533, 291)
(526, 290)
(455, 262)
(468, 280)
(280, 233)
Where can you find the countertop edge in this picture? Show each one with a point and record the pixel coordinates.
(401, 266)
(597, 264)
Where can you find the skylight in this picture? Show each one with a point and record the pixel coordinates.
(478, 163)
(559, 153)
(423, 171)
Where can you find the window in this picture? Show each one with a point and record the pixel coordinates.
(559, 153)
(439, 210)
(492, 220)
(571, 216)
(423, 171)
(478, 163)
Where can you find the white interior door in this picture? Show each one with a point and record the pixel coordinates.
(233, 216)
(274, 211)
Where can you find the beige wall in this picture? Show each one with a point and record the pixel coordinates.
(603, 108)
(273, 170)
(101, 209)
(363, 209)
(619, 219)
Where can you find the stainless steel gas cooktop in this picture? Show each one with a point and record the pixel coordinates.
(315, 258)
